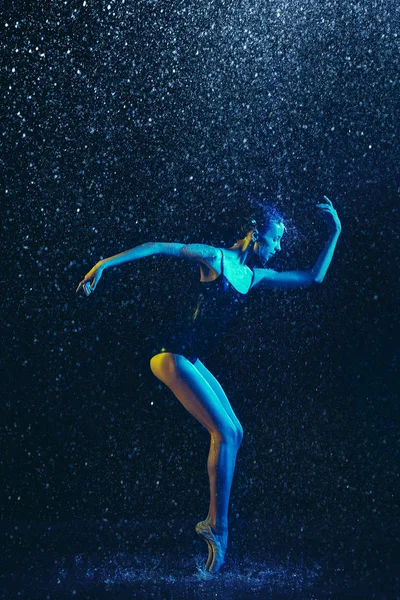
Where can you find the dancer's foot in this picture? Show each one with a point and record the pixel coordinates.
(200, 527)
(217, 543)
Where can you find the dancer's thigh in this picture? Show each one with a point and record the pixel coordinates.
(222, 397)
(194, 392)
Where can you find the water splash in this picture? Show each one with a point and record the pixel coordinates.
(246, 576)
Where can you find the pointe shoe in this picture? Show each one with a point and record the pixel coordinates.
(217, 556)
(200, 528)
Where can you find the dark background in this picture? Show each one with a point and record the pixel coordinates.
(129, 122)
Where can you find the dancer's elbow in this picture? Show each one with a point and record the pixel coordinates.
(317, 279)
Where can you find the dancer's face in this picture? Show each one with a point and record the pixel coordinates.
(269, 241)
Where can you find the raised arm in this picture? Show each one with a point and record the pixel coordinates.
(194, 252)
(268, 278)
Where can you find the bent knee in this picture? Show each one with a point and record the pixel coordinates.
(163, 365)
(239, 433)
(230, 433)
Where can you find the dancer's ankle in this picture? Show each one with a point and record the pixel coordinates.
(219, 529)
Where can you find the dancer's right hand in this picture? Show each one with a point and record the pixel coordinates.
(91, 279)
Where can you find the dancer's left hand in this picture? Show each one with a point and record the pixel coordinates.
(330, 216)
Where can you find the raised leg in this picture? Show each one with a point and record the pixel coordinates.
(201, 399)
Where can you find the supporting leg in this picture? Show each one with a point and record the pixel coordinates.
(200, 399)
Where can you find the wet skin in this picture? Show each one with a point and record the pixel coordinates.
(269, 241)
(194, 385)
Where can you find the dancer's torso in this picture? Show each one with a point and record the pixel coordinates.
(216, 304)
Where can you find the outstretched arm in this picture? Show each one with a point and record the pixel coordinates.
(268, 278)
(195, 252)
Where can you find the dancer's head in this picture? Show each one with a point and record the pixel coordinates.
(268, 241)
(265, 234)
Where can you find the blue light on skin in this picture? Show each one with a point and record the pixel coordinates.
(194, 385)
(269, 242)
(265, 247)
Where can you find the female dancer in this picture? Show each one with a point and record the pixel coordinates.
(225, 280)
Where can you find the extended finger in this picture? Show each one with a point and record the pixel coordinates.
(82, 283)
(326, 198)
